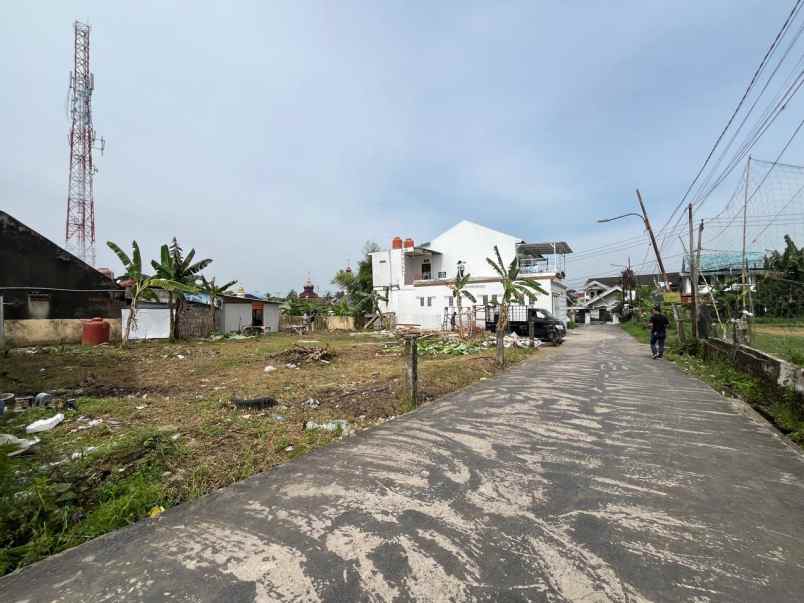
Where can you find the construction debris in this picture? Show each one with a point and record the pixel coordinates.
(44, 424)
(298, 355)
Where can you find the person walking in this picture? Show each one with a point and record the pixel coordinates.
(658, 332)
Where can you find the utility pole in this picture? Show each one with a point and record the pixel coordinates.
(744, 279)
(693, 279)
(652, 239)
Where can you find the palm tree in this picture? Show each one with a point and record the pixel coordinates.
(214, 293)
(177, 267)
(514, 289)
(141, 285)
(459, 291)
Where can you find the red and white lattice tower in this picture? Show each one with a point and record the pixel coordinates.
(80, 228)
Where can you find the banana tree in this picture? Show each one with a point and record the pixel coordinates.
(372, 299)
(514, 290)
(173, 265)
(459, 291)
(141, 286)
(214, 293)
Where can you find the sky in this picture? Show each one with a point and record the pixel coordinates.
(278, 137)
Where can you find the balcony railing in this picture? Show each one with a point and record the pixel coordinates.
(532, 266)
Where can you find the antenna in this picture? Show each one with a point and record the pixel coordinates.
(79, 231)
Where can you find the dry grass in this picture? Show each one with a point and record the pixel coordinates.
(181, 394)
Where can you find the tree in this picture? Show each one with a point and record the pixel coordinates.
(459, 291)
(214, 293)
(358, 285)
(175, 266)
(141, 285)
(373, 299)
(779, 292)
(514, 289)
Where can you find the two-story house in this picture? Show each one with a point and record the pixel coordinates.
(417, 278)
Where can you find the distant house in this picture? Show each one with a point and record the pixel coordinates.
(238, 312)
(40, 280)
(641, 280)
(417, 278)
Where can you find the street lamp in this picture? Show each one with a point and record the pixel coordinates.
(623, 216)
(646, 222)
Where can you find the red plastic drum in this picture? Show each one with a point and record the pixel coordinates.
(95, 331)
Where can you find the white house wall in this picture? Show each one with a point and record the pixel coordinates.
(151, 323)
(471, 243)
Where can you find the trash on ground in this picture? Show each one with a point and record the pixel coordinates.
(280, 418)
(311, 403)
(22, 444)
(175, 437)
(43, 399)
(290, 365)
(289, 449)
(44, 424)
(265, 402)
(140, 407)
(77, 455)
(333, 425)
(270, 368)
(71, 404)
(156, 511)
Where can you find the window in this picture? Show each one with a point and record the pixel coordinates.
(429, 302)
(485, 300)
(494, 300)
(450, 301)
(442, 275)
(421, 302)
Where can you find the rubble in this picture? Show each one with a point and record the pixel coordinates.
(299, 355)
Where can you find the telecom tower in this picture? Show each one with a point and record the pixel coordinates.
(80, 227)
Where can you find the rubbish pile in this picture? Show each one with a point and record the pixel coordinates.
(298, 355)
(255, 403)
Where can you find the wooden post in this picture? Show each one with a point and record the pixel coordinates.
(531, 330)
(693, 279)
(682, 336)
(411, 368)
(652, 239)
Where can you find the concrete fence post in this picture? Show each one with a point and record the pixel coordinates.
(531, 330)
(2, 324)
(411, 368)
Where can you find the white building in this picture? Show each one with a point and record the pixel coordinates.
(417, 278)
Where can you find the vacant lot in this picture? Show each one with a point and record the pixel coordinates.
(155, 424)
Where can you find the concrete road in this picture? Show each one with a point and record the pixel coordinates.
(596, 474)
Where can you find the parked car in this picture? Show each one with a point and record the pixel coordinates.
(545, 326)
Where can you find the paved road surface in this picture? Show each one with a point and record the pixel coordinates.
(596, 474)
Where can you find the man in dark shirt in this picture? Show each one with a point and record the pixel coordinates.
(658, 332)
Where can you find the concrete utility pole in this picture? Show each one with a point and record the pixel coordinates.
(652, 239)
(411, 368)
(693, 278)
(744, 279)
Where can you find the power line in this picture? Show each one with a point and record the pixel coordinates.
(748, 89)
